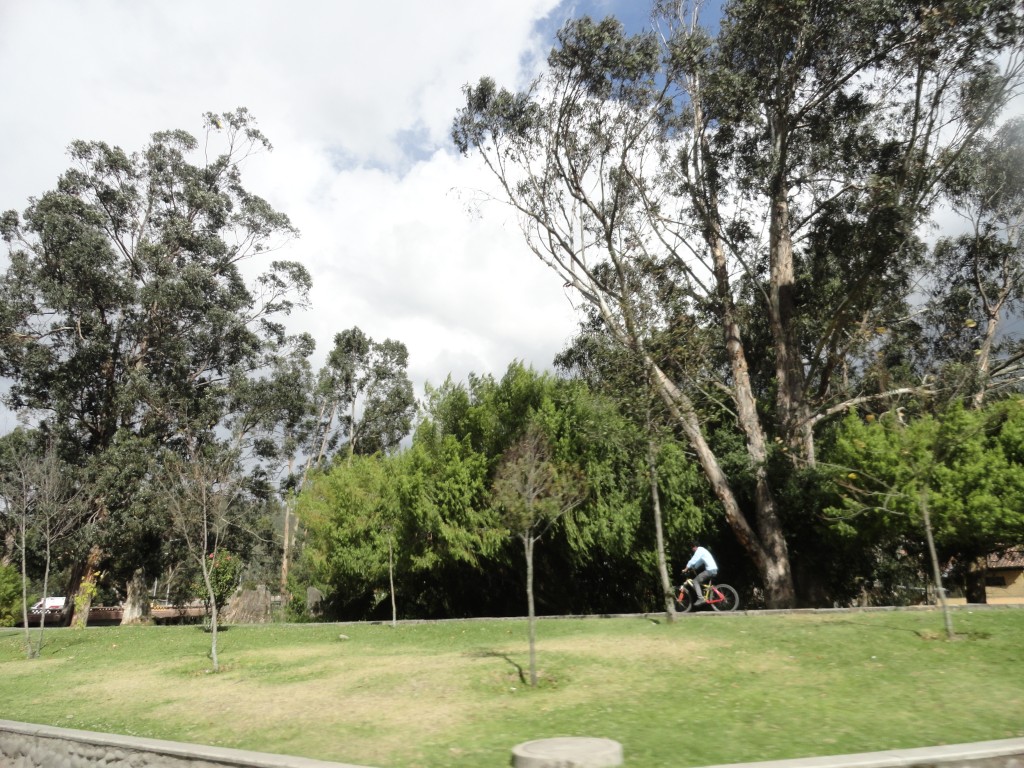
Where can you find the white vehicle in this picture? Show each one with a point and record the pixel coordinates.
(49, 604)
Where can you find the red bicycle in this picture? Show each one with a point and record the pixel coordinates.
(721, 597)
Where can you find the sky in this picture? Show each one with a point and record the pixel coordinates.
(357, 99)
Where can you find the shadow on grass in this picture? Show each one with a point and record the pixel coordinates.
(924, 634)
(869, 625)
(209, 629)
(485, 654)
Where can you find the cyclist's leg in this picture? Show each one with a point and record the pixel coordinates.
(698, 585)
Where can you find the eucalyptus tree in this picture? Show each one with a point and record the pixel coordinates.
(275, 423)
(363, 398)
(126, 309)
(979, 278)
(764, 185)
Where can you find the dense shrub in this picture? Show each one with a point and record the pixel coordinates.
(10, 596)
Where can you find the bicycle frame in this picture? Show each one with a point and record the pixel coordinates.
(711, 593)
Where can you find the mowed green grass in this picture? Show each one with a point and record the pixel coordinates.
(704, 690)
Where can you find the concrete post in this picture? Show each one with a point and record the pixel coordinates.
(567, 752)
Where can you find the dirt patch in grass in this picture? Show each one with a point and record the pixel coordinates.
(352, 708)
(343, 702)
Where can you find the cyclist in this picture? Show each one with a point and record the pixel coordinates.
(703, 560)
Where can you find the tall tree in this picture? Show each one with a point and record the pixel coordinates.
(766, 185)
(362, 398)
(367, 402)
(979, 281)
(533, 493)
(277, 415)
(125, 312)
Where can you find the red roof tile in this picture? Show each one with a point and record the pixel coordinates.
(1010, 558)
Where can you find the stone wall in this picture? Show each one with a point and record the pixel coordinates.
(23, 745)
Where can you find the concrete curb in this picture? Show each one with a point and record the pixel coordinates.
(1007, 753)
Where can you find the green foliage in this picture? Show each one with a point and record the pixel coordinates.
(582, 429)
(373, 518)
(442, 490)
(428, 510)
(979, 281)
(351, 518)
(10, 596)
(225, 568)
(366, 396)
(968, 462)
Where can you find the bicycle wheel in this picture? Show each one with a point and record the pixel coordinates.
(730, 599)
(684, 601)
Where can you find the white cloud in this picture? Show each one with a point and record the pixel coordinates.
(357, 99)
(406, 260)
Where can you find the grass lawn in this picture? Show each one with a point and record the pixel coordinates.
(706, 689)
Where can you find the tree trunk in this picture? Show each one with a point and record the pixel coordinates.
(213, 638)
(247, 606)
(352, 432)
(974, 586)
(659, 536)
(10, 546)
(78, 605)
(984, 357)
(213, 613)
(936, 573)
(25, 617)
(766, 547)
(793, 414)
(286, 543)
(136, 603)
(391, 582)
(528, 542)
